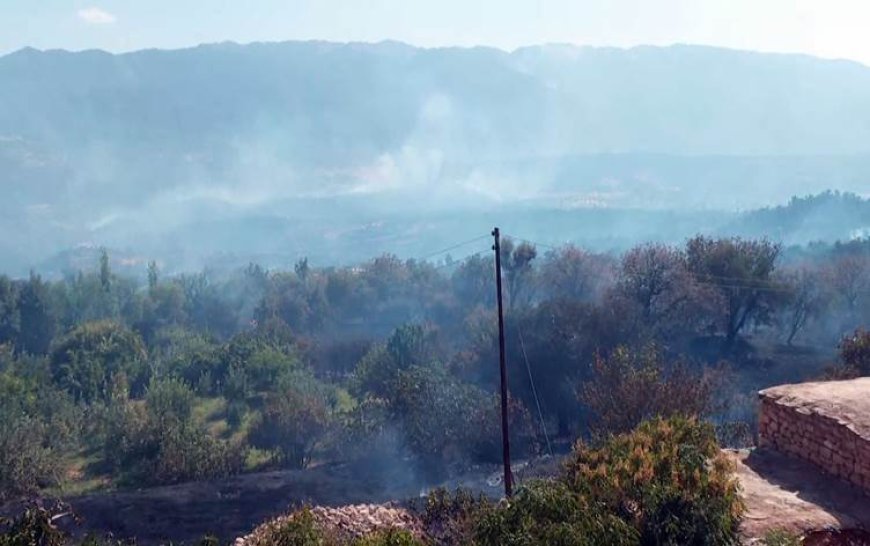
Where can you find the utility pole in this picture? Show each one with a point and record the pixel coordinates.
(505, 436)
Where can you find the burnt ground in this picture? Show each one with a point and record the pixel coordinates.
(229, 507)
(780, 493)
(232, 507)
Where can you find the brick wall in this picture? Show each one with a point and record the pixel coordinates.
(827, 442)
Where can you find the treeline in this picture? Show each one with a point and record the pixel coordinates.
(190, 377)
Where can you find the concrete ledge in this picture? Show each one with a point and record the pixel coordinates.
(825, 423)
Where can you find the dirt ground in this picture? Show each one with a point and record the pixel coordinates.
(785, 493)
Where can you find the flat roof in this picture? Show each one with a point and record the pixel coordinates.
(846, 402)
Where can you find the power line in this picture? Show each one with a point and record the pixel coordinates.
(529, 241)
(460, 260)
(534, 390)
(452, 247)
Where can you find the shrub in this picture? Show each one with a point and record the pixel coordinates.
(169, 399)
(778, 537)
(145, 448)
(389, 537)
(33, 527)
(298, 530)
(37, 425)
(188, 453)
(293, 422)
(855, 351)
(630, 386)
(450, 518)
(549, 512)
(86, 361)
(667, 478)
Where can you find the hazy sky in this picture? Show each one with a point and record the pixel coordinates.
(828, 28)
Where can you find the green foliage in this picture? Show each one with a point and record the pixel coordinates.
(742, 271)
(629, 387)
(160, 444)
(451, 518)
(299, 530)
(409, 345)
(33, 527)
(855, 351)
(779, 537)
(549, 512)
(294, 420)
(667, 478)
(169, 400)
(389, 537)
(445, 421)
(86, 360)
(37, 426)
(36, 317)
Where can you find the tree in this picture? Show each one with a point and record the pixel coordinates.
(629, 387)
(409, 345)
(850, 278)
(516, 264)
(804, 298)
(655, 278)
(575, 274)
(293, 422)
(37, 320)
(10, 317)
(855, 352)
(105, 271)
(742, 272)
(153, 276)
(88, 359)
(474, 281)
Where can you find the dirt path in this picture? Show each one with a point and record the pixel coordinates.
(785, 493)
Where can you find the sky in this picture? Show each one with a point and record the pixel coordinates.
(825, 28)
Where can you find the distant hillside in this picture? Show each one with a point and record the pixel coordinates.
(828, 216)
(270, 147)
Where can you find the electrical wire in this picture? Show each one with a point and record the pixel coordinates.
(452, 247)
(534, 391)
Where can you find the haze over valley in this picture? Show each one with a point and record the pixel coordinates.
(226, 153)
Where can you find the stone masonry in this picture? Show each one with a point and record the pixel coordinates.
(825, 423)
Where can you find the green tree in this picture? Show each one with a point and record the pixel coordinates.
(85, 361)
(10, 317)
(742, 273)
(294, 420)
(37, 319)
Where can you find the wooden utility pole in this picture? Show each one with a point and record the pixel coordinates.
(505, 435)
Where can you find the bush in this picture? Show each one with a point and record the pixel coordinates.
(293, 422)
(630, 386)
(668, 479)
(86, 362)
(855, 352)
(778, 537)
(298, 530)
(33, 527)
(451, 518)
(187, 453)
(147, 447)
(389, 537)
(549, 512)
(37, 425)
(169, 399)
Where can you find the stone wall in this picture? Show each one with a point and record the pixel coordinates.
(817, 431)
